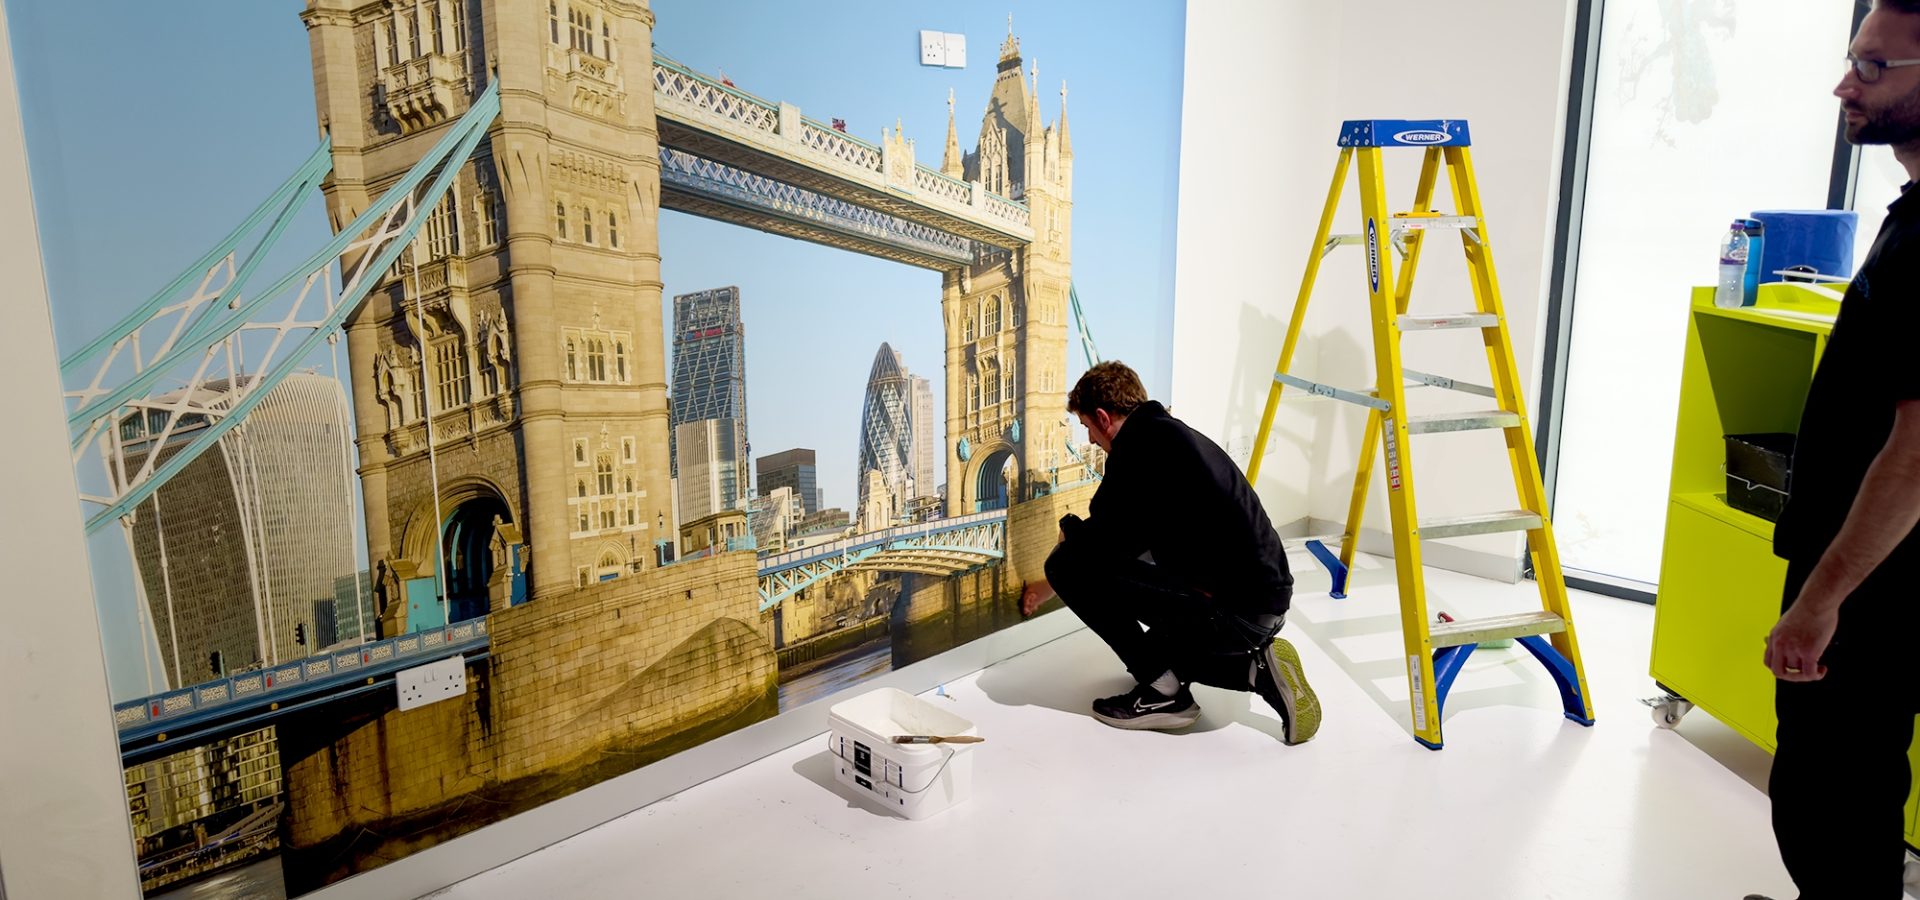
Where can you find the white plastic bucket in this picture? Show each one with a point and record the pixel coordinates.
(912, 781)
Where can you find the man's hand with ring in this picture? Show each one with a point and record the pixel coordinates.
(1797, 642)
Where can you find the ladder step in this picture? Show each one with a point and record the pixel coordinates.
(1441, 323)
(1480, 631)
(1462, 421)
(1420, 222)
(1482, 523)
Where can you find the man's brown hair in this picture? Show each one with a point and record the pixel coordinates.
(1111, 386)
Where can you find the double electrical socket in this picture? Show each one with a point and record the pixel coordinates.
(433, 682)
(940, 48)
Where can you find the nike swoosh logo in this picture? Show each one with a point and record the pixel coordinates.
(1137, 705)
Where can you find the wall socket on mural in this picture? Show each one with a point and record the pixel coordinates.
(939, 48)
(432, 683)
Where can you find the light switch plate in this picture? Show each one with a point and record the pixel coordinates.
(956, 51)
(431, 683)
(933, 48)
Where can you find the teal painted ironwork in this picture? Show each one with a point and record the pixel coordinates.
(945, 548)
(1080, 319)
(453, 149)
(782, 575)
(284, 199)
(785, 585)
(212, 329)
(1092, 354)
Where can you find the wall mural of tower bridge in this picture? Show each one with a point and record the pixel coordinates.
(494, 172)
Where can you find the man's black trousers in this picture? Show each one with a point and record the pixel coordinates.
(1840, 773)
(1186, 632)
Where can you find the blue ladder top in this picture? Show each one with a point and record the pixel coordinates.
(1404, 133)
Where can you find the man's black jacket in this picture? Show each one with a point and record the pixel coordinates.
(1171, 492)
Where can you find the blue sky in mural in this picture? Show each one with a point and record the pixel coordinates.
(183, 116)
(824, 312)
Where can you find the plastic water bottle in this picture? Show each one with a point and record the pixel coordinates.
(1731, 291)
(1756, 260)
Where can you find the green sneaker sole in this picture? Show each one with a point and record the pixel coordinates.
(1303, 705)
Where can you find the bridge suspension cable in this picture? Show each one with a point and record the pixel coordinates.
(198, 344)
(1092, 354)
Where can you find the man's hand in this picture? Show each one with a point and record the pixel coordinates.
(1795, 645)
(1036, 593)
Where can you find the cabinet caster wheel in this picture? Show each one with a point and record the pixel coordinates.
(1668, 712)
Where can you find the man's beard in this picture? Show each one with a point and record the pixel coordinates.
(1899, 123)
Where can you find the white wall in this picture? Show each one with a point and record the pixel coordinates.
(1267, 86)
(64, 830)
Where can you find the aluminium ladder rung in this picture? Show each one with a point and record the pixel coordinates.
(1480, 523)
(1479, 420)
(1326, 390)
(1402, 223)
(1337, 241)
(1412, 222)
(1441, 323)
(1493, 628)
(1447, 384)
(1477, 631)
(1371, 399)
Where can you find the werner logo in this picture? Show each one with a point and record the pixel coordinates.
(1373, 256)
(1423, 136)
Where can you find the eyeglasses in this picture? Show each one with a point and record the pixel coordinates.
(1869, 69)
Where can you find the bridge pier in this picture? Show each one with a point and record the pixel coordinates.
(937, 613)
(1033, 528)
(577, 690)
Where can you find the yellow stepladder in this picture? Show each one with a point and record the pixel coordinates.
(1435, 653)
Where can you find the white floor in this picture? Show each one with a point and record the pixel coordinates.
(1521, 804)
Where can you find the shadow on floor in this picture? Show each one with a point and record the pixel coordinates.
(818, 769)
(1054, 682)
(1727, 747)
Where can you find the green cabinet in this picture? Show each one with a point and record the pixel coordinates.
(1746, 370)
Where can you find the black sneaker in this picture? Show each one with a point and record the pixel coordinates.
(1279, 679)
(1145, 708)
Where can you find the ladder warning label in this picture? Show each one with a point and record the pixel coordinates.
(1419, 693)
(1393, 457)
(1373, 255)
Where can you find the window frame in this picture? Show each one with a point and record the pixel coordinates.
(1576, 146)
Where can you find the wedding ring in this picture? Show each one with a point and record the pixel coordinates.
(1792, 671)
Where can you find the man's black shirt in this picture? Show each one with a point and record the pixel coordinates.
(1172, 492)
(1871, 364)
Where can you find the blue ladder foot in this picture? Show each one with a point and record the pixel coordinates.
(1447, 663)
(1331, 561)
(1563, 676)
(1423, 742)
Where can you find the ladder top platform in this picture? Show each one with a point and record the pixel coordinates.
(1404, 133)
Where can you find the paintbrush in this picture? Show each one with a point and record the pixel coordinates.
(936, 739)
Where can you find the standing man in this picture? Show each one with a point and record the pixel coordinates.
(1175, 540)
(1844, 648)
